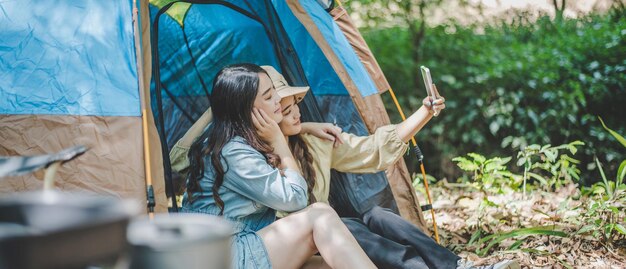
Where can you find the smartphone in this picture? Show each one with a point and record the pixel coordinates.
(428, 84)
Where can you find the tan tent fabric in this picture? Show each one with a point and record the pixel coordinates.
(343, 20)
(373, 113)
(144, 64)
(112, 165)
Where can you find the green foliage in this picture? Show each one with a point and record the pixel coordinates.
(513, 83)
(617, 136)
(494, 239)
(548, 165)
(418, 184)
(604, 216)
(488, 174)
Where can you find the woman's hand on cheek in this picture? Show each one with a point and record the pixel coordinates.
(266, 127)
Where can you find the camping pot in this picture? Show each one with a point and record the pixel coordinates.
(62, 230)
(180, 241)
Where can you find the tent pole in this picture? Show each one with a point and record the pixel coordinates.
(151, 203)
(420, 158)
(146, 152)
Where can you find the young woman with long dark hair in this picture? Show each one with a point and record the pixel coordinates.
(241, 168)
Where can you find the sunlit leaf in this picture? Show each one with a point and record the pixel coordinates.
(585, 229)
(517, 244)
(617, 136)
(604, 179)
(465, 164)
(475, 236)
(520, 232)
(621, 173)
(539, 178)
(477, 157)
(551, 155)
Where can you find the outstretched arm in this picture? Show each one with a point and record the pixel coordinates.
(383, 148)
(406, 129)
(409, 127)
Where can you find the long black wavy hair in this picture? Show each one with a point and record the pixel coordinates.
(235, 88)
(301, 153)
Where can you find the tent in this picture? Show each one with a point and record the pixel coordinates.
(128, 77)
(312, 43)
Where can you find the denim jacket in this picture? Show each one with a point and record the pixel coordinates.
(252, 191)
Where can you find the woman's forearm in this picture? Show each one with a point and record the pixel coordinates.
(409, 127)
(286, 158)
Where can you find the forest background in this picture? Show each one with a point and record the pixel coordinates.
(514, 73)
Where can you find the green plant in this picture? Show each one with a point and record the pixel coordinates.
(419, 186)
(494, 239)
(604, 215)
(488, 174)
(540, 160)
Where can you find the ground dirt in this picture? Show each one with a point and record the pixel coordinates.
(459, 215)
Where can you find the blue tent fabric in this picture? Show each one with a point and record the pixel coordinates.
(212, 36)
(311, 55)
(217, 36)
(71, 57)
(322, 78)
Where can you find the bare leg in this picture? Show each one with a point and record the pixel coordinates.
(315, 262)
(292, 240)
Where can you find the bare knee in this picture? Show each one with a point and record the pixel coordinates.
(322, 211)
(322, 208)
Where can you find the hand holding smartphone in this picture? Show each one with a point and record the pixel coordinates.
(430, 89)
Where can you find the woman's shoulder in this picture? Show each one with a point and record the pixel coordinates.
(237, 142)
(238, 145)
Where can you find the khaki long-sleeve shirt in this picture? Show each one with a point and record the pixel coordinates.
(357, 154)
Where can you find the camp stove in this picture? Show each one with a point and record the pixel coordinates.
(50, 229)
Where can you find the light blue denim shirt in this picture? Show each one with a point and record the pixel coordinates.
(252, 191)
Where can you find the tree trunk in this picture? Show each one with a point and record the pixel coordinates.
(417, 30)
(559, 10)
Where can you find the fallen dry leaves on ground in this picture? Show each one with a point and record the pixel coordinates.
(459, 215)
